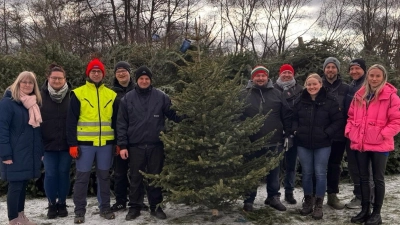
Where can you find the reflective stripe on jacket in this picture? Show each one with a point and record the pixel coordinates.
(96, 110)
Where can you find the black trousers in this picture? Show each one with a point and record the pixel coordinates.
(149, 159)
(121, 184)
(378, 163)
(334, 166)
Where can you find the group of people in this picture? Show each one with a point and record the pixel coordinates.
(121, 126)
(317, 124)
(56, 124)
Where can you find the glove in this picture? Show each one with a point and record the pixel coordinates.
(74, 152)
(117, 150)
(288, 143)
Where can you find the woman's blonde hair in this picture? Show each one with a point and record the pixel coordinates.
(313, 75)
(15, 89)
(368, 89)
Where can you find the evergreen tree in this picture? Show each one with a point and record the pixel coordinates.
(205, 163)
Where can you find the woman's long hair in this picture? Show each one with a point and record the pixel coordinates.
(368, 89)
(15, 89)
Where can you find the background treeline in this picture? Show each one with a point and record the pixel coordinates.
(244, 33)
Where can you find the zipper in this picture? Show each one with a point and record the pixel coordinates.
(88, 100)
(107, 103)
(98, 108)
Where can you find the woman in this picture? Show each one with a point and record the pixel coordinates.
(57, 161)
(317, 117)
(21, 147)
(374, 120)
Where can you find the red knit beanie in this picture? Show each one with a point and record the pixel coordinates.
(259, 69)
(285, 67)
(95, 64)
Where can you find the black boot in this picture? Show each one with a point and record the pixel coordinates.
(52, 211)
(362, 216)
(375, 217)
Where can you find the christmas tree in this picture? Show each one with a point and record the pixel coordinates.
(205, 163)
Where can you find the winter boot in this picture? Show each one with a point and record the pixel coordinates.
(362, 216)
(25, 219)
(52, 211)
(289, 198)
(62, 210)
(118, 206)
(375, 218)
(107, 214)
(79, 218)
(318, 214)
(275, 202)
(132, 214)
(158, 213)
(355, 203)
(334, 202)
(308, 205)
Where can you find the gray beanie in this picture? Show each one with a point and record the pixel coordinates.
(124, 65)
(332, 60)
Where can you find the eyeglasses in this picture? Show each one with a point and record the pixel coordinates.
(96, 71)
(121, 71)
(57, 78)
(27, 83)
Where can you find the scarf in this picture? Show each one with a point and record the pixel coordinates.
(30, 103)
(285, 85)
(58, 96)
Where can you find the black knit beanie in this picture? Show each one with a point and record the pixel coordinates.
(143, 70)
(358, 62)
(122, 64)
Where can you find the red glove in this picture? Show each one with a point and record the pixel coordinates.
(117, 150)
(74, 152)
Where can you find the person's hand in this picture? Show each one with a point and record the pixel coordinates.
(117, 150)
(124, 153)
(8, 162)
(288, 143)
(74, 152)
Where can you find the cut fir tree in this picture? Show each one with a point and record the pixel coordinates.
(205, 163)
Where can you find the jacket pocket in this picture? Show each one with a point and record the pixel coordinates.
(354, 134)
(373, 134)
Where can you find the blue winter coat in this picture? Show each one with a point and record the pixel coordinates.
(19, 142)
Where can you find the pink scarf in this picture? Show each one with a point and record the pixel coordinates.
(29, 101)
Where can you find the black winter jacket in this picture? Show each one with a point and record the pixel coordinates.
(315, 123)
(338, 89)
(141, 117)
(269, 99)
(54, 116)
(355, 85)
(291, 94)
(121, 91)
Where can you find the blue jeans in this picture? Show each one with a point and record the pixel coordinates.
(273, 183)
(57, 165)
(314, 162)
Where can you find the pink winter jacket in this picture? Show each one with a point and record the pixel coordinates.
(374, 128)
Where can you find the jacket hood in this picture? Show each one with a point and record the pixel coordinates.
(385, 93)
(7, 93)
(250, 84)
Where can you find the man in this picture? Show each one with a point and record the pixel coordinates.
(290, 90)
(357, 71)
(122, 84)
(335, 86)
(260, 92)
(141, 118)
(90, 136)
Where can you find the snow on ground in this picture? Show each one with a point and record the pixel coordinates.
(182, 214)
